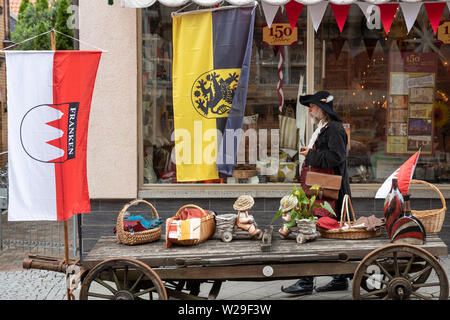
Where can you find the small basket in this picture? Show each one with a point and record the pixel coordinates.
(133, 238)
(349, 233)
(433, 219)
(207, 227)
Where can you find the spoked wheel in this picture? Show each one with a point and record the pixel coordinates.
(122, 279)
(400, 271)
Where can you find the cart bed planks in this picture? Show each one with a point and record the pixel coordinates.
(244, 259)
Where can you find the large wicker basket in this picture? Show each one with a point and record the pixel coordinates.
(433, 219)
(349, 233)
(133, 238)
(207, 227)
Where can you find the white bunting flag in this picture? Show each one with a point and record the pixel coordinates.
(317, 11)
(270, 12)
(410, 12)
(364, 6)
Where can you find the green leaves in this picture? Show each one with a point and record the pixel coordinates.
(40, 18)
(328, 207)
(304, 209)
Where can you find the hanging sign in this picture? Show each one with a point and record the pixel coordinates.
(443, 33)
(280, 34)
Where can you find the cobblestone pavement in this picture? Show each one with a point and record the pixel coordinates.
(19, 284)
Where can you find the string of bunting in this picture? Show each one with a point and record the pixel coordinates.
(340, 8)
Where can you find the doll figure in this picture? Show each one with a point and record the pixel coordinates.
(287, 203)
(245, 221)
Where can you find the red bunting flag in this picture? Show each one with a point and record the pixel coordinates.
(434, 11)
(293, 10)
(340, 14)
(387, 13)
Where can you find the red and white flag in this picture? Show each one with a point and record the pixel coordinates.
(403, 174)
(49, 100)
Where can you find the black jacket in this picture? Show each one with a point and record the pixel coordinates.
(330, 151)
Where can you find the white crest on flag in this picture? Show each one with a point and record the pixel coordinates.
(35, 145)
(410, 12)
(317, 11)
(270, 12)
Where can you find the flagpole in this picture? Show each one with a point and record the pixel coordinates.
(66, 233)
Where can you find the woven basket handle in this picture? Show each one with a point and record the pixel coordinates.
(119, 228)
(345, 203)
(192, 206)
(432, 186)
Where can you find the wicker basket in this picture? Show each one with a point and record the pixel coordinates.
(349, 233)
(433, 219)
(133, 238)
(207, 227)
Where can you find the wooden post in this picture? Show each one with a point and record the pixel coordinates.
(66, 233)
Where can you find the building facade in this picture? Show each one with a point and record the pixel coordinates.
(388, 119)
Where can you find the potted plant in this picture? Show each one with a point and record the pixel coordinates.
(297, 209)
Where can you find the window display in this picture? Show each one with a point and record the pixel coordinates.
(388, 88)
(391, 91)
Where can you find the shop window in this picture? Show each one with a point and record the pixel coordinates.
(262, 109)
(391, 91)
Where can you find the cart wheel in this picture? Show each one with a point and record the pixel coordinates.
(122, 279)
(227, 236)
(400, 271)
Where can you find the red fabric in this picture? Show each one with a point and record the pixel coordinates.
(189, 213)
(136, 225)
(318, 211)
(293, 10)
(328, 223)
(340, 14)
(434, 11)
(74, 74)
(387, 13)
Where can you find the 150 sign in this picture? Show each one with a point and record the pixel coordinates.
(280, 34)
(443, 33)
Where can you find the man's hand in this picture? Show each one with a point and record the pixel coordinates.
(303, 151)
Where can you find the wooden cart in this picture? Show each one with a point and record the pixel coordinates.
(380, 270)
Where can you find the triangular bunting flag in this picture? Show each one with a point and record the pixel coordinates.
(410, 12)
(293, 10)
(363, 6)
(337, 45)
(270, 12)
(340, 14)
(370, 46)
(317, 11)
(355, 47)
(403, 174)
(387, 12)
(434, 11)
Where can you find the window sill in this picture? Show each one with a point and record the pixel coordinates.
(268, 190)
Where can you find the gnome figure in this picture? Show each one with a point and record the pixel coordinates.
(287, 203)
(245, 221)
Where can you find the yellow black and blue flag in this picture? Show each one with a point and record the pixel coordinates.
(211, 64)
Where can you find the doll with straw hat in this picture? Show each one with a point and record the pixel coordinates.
(287, 203)
(245, 221)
